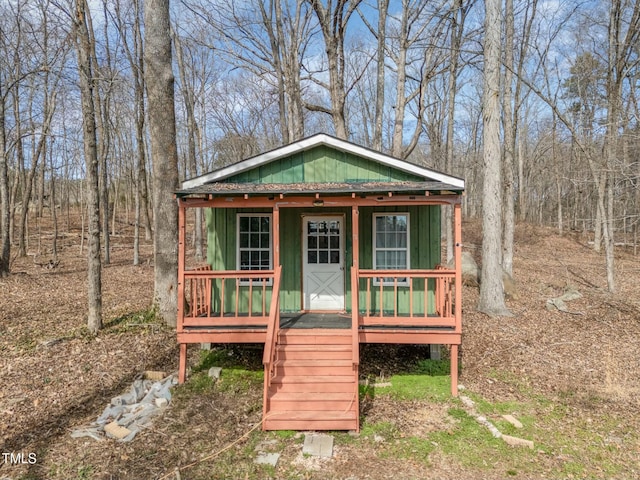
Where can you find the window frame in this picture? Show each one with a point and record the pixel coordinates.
(239, 249)
(375, 248)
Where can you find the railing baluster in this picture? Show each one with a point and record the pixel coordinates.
(382, 296)
(410, 296)
(222, 302)
(264, 296)
(368, 296)
(237, 294)
(395, 296)
(250, 296)
(425, 290)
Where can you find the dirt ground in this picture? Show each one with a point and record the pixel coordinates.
(56, 377)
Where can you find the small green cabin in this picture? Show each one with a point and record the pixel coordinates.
(327, 229)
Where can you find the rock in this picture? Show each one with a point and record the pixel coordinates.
(471, 274)
(378, 438)
(470, 270)
(214, 372)
(318, 445)
(161, 402)
(512, 420)
(517, 442)
(155, 375)
(115, 430)
(267, 459)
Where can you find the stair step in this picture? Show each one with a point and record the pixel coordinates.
(310, 396)
(312, 379)
(310, 354)
(318, 415)
(306, 362)
(325, 425)
(303, 332)
(314, 348)
(316, 388)
(317, 337)
(305, 401)
(311, 420)
(286, 370)
(314, 352)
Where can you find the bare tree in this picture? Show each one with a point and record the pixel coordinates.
(160, 94)
(624, 34)
(87, 85)
(491, 299)
(131, 33)
(192, 132)
(333, 20)
(267, 39)
(5, 212)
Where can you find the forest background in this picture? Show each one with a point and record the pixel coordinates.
(405, 77)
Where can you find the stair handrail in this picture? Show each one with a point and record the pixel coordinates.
(273, 326)
(355, 316)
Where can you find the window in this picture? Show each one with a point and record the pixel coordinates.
(254, 244)
(391, 244)
(323, 241)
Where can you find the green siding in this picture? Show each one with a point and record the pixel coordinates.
(424, 244)
(221, 255)
(322, 164)
(424, 253)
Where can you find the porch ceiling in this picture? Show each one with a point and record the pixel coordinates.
(261, 189)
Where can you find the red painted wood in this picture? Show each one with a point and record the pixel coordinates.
(315, 382)
(316, 340)
(409, 337)
(223, 336)
(319, 388)
(274, 424)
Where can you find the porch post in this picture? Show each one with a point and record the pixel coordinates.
(355, 313)
(182, 370)
(355, 254)
(457, 238)
(454, 370)
(457, 253)
(276, 237)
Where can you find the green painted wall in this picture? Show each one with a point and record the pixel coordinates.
(322, 164)
(221, 255)
(424, 252)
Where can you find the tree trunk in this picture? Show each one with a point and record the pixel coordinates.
(508, 108)
(491, 299)
(160, 93)
(457, 27)
(5, 212)
(87, 84)
(333, 24)
(383, 6)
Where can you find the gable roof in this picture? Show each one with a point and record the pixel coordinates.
(451, 182)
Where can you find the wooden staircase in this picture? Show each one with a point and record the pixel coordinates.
(313, 382)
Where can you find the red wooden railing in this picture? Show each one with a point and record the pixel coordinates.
(273, 328)
(227, 297)
(427, 298)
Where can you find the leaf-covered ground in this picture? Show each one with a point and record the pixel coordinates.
(570, 377)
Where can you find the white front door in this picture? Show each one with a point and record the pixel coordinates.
(323, 263)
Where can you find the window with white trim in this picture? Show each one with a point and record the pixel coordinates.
(391, 244)
(255, 248)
